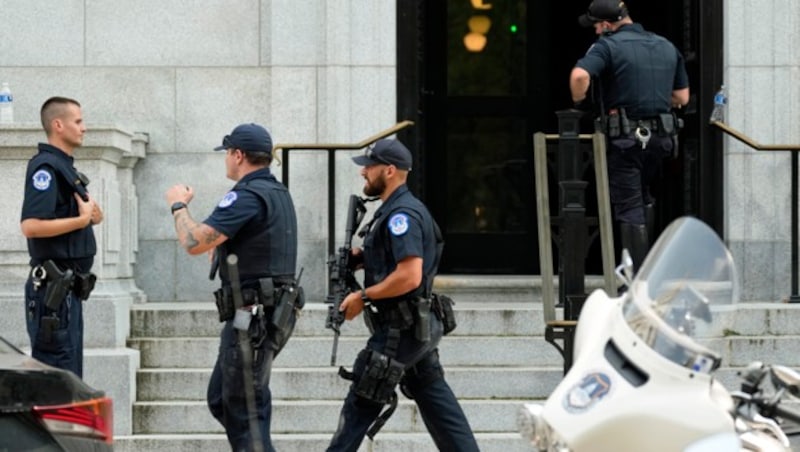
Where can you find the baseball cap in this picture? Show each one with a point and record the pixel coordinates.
(603, 10)
(248, 137)
(386, 152)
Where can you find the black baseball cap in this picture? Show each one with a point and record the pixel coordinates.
(248, 137)
(386, 152)
(603, 10)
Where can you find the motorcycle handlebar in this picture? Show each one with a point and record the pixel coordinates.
(784, 413)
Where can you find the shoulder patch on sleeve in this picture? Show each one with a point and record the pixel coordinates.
(398, 224)
(228, 199)
(41, 180)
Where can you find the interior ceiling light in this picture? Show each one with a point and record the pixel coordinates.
(474, 42)
(479, 24)
(478, 4)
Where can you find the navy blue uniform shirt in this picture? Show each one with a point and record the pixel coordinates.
(237, 208)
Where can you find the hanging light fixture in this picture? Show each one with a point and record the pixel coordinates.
(474, 42)
(478, 4)
(479, 24)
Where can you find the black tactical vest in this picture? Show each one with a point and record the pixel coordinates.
(77, 246)
(379, 260)
(266, 246)
(642, 72)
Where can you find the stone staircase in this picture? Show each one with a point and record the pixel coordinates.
(495, 360)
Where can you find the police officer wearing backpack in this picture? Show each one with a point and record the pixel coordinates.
(401, 249)
(57, 218)
(255, 221)
(641, 76)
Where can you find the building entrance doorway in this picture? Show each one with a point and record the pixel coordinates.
(480, 77)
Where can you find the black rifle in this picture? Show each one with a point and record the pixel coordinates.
(342, 281)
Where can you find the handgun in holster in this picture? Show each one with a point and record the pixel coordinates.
(422, 325)
(289, 299)
(58, 285)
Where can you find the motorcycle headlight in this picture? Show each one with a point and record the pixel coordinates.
(533, 427)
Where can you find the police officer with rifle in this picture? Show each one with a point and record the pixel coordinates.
(401, 251)
(640, 77)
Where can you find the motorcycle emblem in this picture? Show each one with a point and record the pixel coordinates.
(590, 390)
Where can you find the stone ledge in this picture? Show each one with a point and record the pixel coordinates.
(114, 371)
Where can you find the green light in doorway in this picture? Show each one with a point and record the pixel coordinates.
(513, 28)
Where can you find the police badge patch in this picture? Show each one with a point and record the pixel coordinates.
(41, 180)
(592, 388)
(228, 199)
(398, 224)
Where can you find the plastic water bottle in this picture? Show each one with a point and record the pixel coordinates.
(720, 101)
(6, 105)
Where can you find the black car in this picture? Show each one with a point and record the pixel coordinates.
(44, 409)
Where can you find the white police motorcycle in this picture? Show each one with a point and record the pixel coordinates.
(642, 378)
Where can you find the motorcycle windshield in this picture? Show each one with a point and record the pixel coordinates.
(668, 305)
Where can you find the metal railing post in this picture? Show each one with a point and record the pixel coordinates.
(331, 149)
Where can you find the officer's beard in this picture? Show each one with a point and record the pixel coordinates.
(375, 187)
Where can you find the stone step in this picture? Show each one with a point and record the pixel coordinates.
(312, 351)
(384, 442)
(325, 384)
(489, 318)
(455, 351)
(312, 416)
(192, 319)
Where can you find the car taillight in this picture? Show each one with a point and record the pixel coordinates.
(92, 418)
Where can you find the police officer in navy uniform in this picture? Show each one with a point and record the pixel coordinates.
(399, 260)
(57, 218)
(641, 77)
(256, 221)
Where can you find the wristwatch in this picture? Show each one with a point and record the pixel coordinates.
(364, 297)
(178, 206)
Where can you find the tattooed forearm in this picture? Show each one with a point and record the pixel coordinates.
(211, 236)
(189, 241)
(185, 225)
(196, 237)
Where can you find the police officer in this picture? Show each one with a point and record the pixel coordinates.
(641, 76)
(256, 221)
(399, 259)
(57, 218)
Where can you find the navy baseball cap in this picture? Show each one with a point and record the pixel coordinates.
(603, 10)
(248, 137)
(386, 152)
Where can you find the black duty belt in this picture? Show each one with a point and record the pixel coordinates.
(396, 314)
(650, 123)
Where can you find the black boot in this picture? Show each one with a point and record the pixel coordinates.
(634, 238)
(650, 219)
